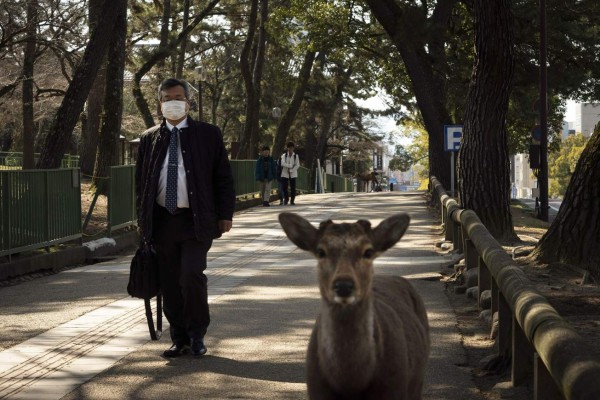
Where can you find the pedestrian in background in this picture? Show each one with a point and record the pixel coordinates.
(290, 162)
(264, 173)
(279, 185)
(185, 199)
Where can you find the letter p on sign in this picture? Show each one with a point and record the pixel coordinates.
(452, 136)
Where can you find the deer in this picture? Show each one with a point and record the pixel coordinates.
(371, 337)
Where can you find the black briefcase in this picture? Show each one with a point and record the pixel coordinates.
(144, 284)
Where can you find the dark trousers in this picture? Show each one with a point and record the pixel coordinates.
(182, 261)
(291, 182)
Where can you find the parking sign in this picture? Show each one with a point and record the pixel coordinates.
(452, 136)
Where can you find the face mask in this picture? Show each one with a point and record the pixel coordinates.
(174, 109)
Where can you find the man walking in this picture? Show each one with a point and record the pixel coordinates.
(264, 173)
(289, 172)
(185, 199)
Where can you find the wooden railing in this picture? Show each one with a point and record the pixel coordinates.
(543, 348)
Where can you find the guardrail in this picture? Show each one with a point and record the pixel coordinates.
(38, 208)
(543, 347)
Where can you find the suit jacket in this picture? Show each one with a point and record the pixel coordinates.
(208, 174)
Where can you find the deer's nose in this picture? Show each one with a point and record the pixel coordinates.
(343, 287)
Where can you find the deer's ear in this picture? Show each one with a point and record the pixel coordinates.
(388, 232)
(299, 231)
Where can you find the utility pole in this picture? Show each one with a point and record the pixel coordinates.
(543, 174)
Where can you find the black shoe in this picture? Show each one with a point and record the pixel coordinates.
(292, 204)
(281, 203)
(176, 350)
(285, 203)
(266, 204)
(198, 347)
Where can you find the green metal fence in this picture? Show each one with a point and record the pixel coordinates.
(243, 178)
(246, 186)
(336, 183)
(13, 160)
(38, 208)
(121, 198)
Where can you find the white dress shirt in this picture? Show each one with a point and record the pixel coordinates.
(182, 192)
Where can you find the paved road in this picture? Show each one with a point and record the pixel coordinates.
(553, 204)
(76, 335)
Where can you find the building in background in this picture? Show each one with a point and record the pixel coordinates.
(523, 181)
(587, 116)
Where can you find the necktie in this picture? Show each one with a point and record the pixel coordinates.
(171, 194)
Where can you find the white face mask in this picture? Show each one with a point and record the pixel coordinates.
(174, 109)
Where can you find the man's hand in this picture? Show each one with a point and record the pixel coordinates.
(225, 225)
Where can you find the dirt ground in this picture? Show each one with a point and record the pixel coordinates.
(98, 223)
(575, 298)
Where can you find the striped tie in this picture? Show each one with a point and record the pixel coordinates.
(171, 195)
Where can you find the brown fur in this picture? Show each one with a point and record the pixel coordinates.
(374, 342)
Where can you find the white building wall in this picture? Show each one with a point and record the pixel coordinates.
(524, 181)
(587, 116)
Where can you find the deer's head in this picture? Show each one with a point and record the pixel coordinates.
(345, 252)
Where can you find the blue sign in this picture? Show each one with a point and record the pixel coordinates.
(452, 137)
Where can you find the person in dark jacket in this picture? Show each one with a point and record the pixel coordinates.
(185, 199)
(264, 173)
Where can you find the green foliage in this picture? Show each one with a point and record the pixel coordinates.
(561, 164)
(402, 161)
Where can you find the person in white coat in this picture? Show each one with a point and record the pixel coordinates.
(289, 172)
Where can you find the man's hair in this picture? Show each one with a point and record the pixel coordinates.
(290, 144)
(172, 82)
(265, 148)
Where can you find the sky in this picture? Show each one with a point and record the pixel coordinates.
(386, 124)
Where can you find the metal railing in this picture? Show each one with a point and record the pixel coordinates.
(337, 183)
(246, 186)
(121, 207)
(13, 160)
(543, 347)
(38, 208)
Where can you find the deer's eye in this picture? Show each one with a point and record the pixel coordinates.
(369, 253)
(321, 253)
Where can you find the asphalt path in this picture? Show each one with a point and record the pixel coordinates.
(77, 335)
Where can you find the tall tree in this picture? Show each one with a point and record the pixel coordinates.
(28, 65)
(251, 64)
(423, 54)
(72, 105)
(291, 111)
(91, 123)
(483, 162)
(110, 130)
(160, 54)
(574, 236)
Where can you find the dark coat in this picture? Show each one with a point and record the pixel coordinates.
(259, 171)
(208, 173)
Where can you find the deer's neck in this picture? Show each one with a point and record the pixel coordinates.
(348, 342)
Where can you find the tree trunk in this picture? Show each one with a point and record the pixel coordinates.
(108, 151)
(72, 105)
(246, 67)
(574, 236)
(425, 72)
(283, 129)
(183, 48)
(89, 130)
(483, 165)
(159, 55)
(28, 65)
